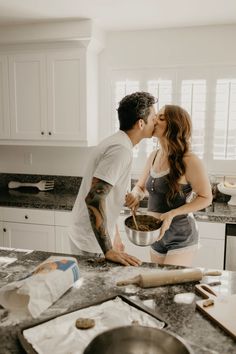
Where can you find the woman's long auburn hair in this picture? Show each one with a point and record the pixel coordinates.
(178, 134)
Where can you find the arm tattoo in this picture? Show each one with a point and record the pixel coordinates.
(95, 201)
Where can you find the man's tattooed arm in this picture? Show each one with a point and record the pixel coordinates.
(95, 201)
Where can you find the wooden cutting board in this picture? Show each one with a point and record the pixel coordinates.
(222, 312)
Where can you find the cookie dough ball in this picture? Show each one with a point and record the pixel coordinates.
(85, 323)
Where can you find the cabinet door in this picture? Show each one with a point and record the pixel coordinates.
(212, 243)
(29, 236)
(66, 87)
(210, 254)
(28, 109)
(4, 99)
(1, 235)
(62, 240)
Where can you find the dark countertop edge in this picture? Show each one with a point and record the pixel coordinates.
(37, 206)
(64, 206)
(215, 218)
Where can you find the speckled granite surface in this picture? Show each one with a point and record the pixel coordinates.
(218, 212)
(63, 196)
(58, 200)
(99, 281)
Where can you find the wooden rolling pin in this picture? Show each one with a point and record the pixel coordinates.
(164, 277)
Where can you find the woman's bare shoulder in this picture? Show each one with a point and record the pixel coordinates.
(190, 157)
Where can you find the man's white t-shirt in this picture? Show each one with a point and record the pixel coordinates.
(111, 161)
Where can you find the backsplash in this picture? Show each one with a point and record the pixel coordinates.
(69, 184)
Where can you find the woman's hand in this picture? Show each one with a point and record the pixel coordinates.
(167, 220)
(131, 201)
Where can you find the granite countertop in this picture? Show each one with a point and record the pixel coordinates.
(57, 200)
(99, 280)
(64, 200)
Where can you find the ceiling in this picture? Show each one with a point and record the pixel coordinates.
(121, 14)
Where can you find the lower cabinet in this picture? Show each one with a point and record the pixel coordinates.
(1, 226)
(62, 222)
(47, 230)
(1, 234)
(29, 236)
(212, 244)
(35, 229)
(28, 229)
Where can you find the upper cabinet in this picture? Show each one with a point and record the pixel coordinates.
(4, 99)
(48, 93)
(27, 94)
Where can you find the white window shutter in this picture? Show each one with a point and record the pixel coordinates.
(224, 146)
(193, 99)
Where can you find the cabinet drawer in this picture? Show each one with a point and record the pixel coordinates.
(1, 213)
(30, 216)
(213, 230)
(63, 218)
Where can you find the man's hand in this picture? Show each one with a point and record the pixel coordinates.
(122, 258)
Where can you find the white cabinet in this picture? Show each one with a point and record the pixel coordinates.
(4, 99)
(142, 253)
(66, 81)
(52, 97)
(36, 229)
(1, 227)
(212, 244)
(1, 235)
(29, 236)
(28, 229)
(28, 106)
(62, 222)
(46, 96)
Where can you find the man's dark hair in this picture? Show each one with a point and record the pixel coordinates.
(134, 107)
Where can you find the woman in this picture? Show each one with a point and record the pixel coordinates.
(170, 176)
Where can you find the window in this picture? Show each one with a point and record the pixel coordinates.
(207, 93)
(193, 99)
(123, 88)
(158, 88)
(162, 89)
(224, 147)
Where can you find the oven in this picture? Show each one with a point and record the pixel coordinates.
(230, 247)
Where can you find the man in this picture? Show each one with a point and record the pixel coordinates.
(107, 179)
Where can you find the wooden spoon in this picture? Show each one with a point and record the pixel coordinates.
(134, 218)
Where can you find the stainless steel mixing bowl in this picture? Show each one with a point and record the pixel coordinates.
(137, 340)
(142, 238)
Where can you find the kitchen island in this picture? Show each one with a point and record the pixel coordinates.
(99, 282)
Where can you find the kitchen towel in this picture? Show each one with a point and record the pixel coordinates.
(41, 288)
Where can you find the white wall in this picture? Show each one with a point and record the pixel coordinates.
(166, 48)
(139, 49)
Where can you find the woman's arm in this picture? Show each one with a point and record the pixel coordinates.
(133, 198)
(197, 177)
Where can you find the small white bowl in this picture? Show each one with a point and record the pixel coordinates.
(228, 191)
